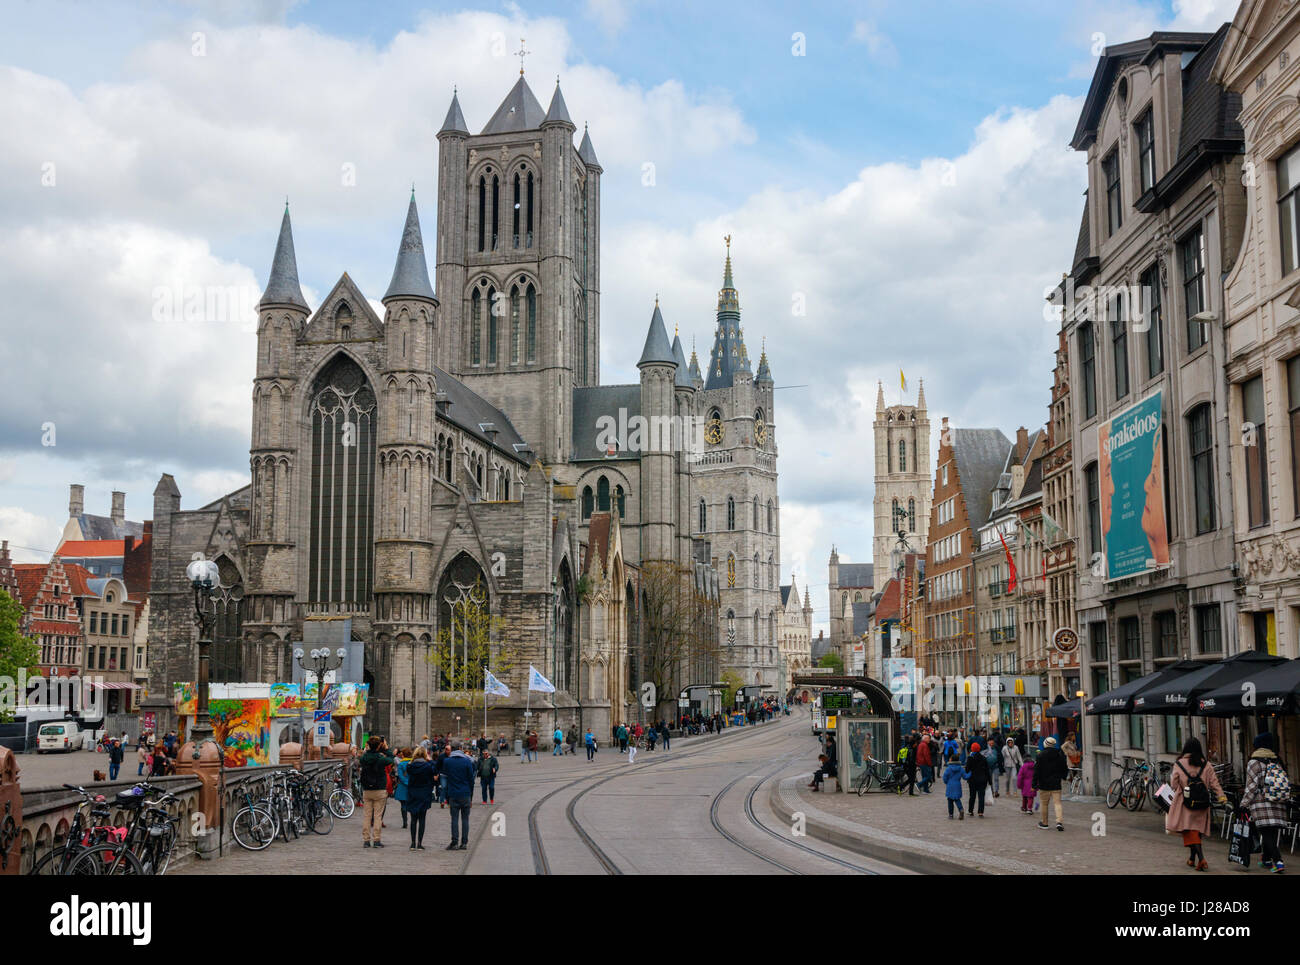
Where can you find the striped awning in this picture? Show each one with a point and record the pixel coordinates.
(114, 685)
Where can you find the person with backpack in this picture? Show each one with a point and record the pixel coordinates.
(620, 734)
(400, 770)
(1195, 786)
(1050, 769)
(1265, 798)
(907, 757)
(993, 758)
(557, 742)
(374, 791)
(589, 741)
(487, 776)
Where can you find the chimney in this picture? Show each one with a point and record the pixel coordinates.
(76, 499)
(1022, 444)
(119, 508)
(148, 527)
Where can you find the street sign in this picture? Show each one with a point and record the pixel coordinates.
(321, 716)
(320, 734)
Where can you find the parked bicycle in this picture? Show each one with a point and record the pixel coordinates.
(887, 775)
(151, 835)
(90, 826)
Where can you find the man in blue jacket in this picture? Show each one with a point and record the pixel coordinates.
(456, 775)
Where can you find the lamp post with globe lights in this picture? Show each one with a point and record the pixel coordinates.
(318, 661)
(205, 578)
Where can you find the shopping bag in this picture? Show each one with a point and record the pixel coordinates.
(1165, 794)
(1240, 844)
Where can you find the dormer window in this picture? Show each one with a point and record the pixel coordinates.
(1114, 212)
(1146, 141)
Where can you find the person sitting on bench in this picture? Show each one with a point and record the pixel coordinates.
(828, 769)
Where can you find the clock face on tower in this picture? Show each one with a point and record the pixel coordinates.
(760, 430)
(713, 431)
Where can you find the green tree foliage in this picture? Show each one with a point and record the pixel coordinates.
(472, 644)
(832, 660)
(17, 653)
(731, 684)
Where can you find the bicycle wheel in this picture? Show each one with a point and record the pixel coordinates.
(341, 803)
(51, 862)
(1113, 793)
(320, 820)
(253, 828)
(106, 859)
(863, 783)
(1134, 795)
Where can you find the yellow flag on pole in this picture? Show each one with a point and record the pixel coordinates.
(902, 382)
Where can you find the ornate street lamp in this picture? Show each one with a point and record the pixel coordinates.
(205, 578)
(318, 662)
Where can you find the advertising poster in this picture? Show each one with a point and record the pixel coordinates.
(900, 678)
(1131, 480)
(352, 699)
(186, 698)
(286, 700)
(242, 727)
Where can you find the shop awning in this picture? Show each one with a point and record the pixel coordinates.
(1179, 695)
(113, 685)
(1120, 700)
(1070, 708)
(1274, 691)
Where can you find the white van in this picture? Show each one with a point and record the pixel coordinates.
(60, 735)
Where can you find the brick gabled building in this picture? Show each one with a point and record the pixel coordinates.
(48, 594)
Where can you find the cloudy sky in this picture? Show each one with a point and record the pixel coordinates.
(900, 168)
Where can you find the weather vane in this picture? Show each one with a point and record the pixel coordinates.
(521, 55)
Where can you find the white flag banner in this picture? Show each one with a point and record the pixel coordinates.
(493, 686)
(537, 682)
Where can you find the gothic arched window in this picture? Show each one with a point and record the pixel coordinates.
(464, 609)
(770, 518)
(618, 500)
(731, 570)
(515, 216)
(227, 665)
(482, 210)
(528, 236)
(731, 513)
(756, 571)
(704, 517)
(756, 513)
(496, 210)
(531, 300)
(602, 495)
(475, 327)
(342, 497)
(587, 502)
(514, 325)
(902, 455)
(494, 309)
(895, 517)
(911, 515)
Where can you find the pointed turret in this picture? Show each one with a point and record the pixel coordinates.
(586, 152)
(920, 394)
(764, 372)
(411, 273)
(658, 349)
(455, 122)
(558, 113)
(880, 396)
(282, 286)
(730, 357)
(697, 378)
(683, 377)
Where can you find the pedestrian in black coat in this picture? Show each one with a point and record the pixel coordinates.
(979, 778)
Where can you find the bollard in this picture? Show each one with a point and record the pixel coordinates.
(11, 815)
(208, 770)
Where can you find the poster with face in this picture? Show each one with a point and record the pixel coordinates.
(1132, 489)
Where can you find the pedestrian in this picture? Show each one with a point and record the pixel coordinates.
(571, 738)
(418, 773)
(1268, 789)
(925, 761)
(427, 745)
(532, 747)
(159, 762)
(589, 740)
(115, 754)
(402, 790)
(484, 742)
(977, 775)
(1050, 769)
(620, 732)
(650, 736)
(141, 759)
(953, 774)
(374, 792)
(1194, 784)
(1025, 781)
(557, 739)
(487, 775)
(443, 750)
(663, 733)
(503, 745)
(907, 754)
(458, 780)
(1011, 762)
(993, 758)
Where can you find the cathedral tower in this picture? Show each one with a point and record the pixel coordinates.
(518, 262)
(903, 483)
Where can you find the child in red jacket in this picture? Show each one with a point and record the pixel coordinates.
(1025, 781)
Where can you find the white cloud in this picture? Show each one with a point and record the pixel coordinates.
(879, 46)
(611, 15)
(31, 537)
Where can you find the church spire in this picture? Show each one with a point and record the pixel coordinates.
(657, 349)
(729, 357)
(411, 272)
(920, 394)
(455, 121)
(282, 286)
(880, 396)
(764, 372)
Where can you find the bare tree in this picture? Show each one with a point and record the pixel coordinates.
(471, 645)
(673, 631)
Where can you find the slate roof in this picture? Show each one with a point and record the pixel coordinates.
(657, 347)
(862, 613)
(282, 284)
(467, 409)
(785, 593)
(981, 456)
(1209, 111)
(520, 111)
(455, 120)
(592, 402)
(103, 528)
(586, 152)
(241, 498)
(1083, 244)
(411, 272)
(729, 356)
(558, 111)
(856, 575)
(598, 528)
(682, 379)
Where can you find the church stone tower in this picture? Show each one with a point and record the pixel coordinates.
(903, 483)
(518, 263)
(736, 480)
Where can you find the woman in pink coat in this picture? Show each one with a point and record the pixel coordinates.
(1192, 823)
(1025, 781)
